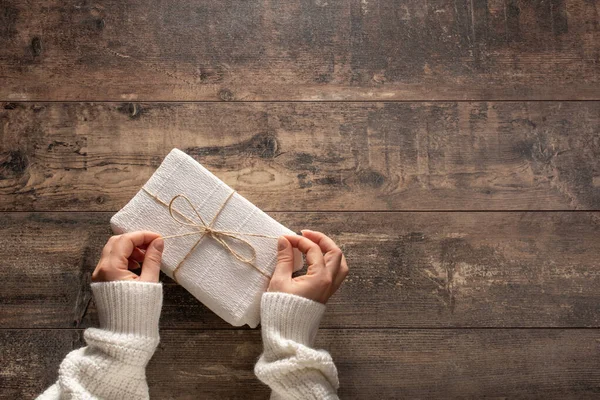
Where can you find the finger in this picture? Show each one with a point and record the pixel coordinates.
(105, 272)
(333, 261)
(143, 246)
(325, 242)
(151, 264)
(124, 244)
(285, 260)
(132, 264)
(342, 273)
(333, 254)
(111, 255)
(106, 250)
(137, 255)
(314, 255)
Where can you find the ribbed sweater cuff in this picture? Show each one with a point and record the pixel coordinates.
(129, 307)
(290, 317)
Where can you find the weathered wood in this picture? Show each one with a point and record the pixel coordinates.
(30, 359)
(437, 270)
(309, 156)
(407, 270)
(386, 364)
(308, 50)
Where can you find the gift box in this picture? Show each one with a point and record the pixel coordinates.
(219, 246)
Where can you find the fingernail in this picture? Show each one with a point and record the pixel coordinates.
(159, 244)
(281, 243)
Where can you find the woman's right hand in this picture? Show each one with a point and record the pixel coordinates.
(327, 267)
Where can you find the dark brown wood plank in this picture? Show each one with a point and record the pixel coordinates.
(407, 270)
(499, 363)
(307, 50)
(309, 156)
(30, 359)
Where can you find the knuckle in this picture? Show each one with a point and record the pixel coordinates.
(283, 252)
(285, 258)
(119, 238)
(326, 281)
(311, 244)
(113, 239)
(336, 251)
(153, 258)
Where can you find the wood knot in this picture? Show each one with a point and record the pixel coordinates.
(226, 95)
(371, 178)
(100, 24)
(13, 164)
(323, 78)
(512, 10)
(264, 145)
(131, 109)
(36, 46)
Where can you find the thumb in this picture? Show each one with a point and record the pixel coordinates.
(152, 259)
(285, 260)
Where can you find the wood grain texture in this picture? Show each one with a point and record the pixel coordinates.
(386, 364)
(309, 156)
(306, 50)
(407, 270)
(371, 107)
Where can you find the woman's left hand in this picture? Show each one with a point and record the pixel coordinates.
(123, 253)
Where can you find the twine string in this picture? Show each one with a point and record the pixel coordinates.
(203, 229)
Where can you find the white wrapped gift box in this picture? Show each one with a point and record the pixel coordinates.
(231, 288)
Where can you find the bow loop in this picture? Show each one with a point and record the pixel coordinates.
(203, 229)
(188, 221)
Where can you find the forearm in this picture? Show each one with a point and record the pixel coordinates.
(112, 365)
(289, 364)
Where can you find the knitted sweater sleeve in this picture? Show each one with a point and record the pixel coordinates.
(289, 363)
(112, 365)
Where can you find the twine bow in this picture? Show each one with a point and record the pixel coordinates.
(207, 229)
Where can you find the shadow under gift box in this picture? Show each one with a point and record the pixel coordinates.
(229, 287)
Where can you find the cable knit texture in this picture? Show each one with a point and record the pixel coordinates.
(112, 365)
(289, 364)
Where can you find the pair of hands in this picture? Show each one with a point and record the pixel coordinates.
(327, 267)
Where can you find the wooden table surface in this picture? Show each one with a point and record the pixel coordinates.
(452, 148)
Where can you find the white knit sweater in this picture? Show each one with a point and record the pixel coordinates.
(112, 365)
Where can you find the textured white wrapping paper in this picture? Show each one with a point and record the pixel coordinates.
(230, 288)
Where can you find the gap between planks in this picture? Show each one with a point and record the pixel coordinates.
(351, 328)
(309, 101)
(326, 211)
